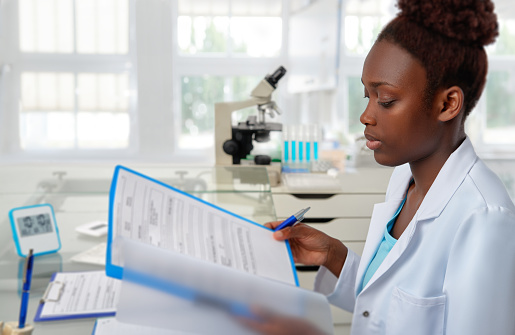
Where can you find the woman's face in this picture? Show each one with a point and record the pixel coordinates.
(399, 126)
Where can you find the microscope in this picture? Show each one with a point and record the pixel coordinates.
(237, 141)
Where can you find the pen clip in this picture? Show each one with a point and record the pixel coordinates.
(26, 266)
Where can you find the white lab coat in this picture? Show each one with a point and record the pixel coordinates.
(451, 272)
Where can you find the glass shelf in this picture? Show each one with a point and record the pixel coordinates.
(80, 194)
(97, 179)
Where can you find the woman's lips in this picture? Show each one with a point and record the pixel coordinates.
(372, 142)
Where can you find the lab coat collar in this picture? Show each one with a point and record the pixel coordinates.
(450, 177)
(445, 185)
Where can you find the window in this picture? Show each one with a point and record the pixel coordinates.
(62, 110)
(357, 104)
(360, 32)
(130, 78)
(73, 66)
(363, 21)
(495, 115)
(140, 79)
(197, 105)
(224, 49)
(230, 27)
(48, 26)
(500, 105)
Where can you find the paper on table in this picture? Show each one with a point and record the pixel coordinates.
(165, 289)
(148, 211)
(94, 255)
(82, 293)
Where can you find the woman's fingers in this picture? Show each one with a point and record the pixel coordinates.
(299, 230)
(272, 224)
(279, 235)
(283, 234)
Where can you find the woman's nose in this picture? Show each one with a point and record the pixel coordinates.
(366, 117)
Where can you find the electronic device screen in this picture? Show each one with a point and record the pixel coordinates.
(35, 224)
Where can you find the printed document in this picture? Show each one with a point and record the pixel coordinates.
(145, 210)
(76, 294)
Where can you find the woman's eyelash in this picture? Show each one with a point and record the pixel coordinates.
(386, 104)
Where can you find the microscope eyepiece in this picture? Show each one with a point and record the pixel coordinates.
(276, 76)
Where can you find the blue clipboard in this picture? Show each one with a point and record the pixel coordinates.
(39, 318)
(115, 271)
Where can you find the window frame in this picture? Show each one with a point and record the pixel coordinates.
(225, 65)
(19, 62)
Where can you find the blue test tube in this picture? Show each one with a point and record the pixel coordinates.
(316, 139)
(307, 134)
(293, 139)
(301, 143)
(286, 156)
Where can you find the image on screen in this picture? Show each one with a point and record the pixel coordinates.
(35, 224)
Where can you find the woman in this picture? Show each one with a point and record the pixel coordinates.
(439, 256)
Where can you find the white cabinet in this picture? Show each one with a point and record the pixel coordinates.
(342, 210)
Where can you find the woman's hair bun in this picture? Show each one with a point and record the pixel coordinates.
(469, 21)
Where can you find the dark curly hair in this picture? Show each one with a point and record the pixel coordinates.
(448, 38)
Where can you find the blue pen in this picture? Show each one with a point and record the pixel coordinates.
(27, 278)
(297, 217)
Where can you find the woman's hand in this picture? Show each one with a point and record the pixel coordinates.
(310, 246)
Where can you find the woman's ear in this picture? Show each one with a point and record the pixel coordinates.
(451, 102)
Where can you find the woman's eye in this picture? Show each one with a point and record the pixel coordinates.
(386, 104)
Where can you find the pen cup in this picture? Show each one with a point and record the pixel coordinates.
(11, 328)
